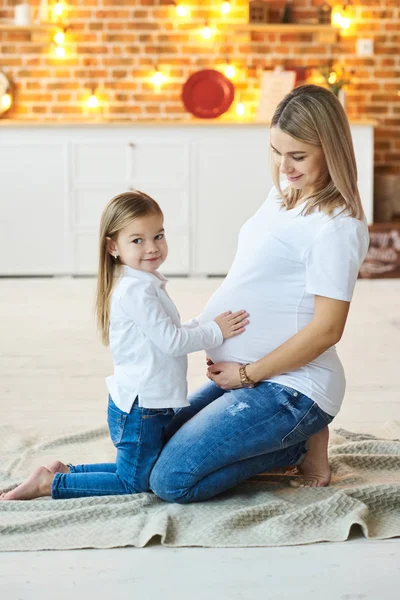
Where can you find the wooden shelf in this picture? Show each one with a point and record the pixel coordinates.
(323, 32)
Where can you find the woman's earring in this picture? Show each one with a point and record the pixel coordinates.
(115, 256)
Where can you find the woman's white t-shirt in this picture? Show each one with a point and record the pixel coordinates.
(282, 261)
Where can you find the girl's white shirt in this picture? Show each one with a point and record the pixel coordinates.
(282, 261)
(149, 344)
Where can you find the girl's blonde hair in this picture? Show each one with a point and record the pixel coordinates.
(118, 213)
(314, 115)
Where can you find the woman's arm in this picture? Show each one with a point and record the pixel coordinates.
(325, 330)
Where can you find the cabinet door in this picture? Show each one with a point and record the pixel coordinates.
(232, 179)
(33, 192)
(161, 169)
(100, 170)
(104, 168)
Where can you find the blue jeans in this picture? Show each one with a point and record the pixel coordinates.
(224, 438)
(138, 438)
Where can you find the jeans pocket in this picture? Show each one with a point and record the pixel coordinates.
(310, 423)
(116, 422)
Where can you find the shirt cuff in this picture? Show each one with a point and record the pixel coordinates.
(218, 333)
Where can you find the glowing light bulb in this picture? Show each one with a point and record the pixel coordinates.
(337, 16)
(207, 32)
(226, 7)
(341, 17)
(59, 37)
(6, 101)
(240, 109)
(332, 77)
(346, 22)
(158, 78)
(181, 10)
(230, 71)
(58, 9)
(60, 52)
(93, 101)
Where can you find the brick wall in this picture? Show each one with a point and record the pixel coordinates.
(113, 45)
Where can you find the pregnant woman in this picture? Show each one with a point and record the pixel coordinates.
(275, 389)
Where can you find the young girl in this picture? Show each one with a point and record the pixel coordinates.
(139, 321)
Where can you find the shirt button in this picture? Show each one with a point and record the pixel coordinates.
(295, 394)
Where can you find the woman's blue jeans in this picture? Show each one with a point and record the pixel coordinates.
(138, 437)
(224, 438)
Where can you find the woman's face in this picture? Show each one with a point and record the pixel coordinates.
(301, 163)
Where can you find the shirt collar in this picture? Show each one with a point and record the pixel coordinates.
(156, 278)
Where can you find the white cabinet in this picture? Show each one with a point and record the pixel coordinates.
(232, 179)
(99, 169)
(33, 236)
(208, 178)
(104, 167)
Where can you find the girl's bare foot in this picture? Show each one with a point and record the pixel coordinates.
(38, 485)
(315, 470)
(56, 466)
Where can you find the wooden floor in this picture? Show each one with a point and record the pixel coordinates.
(52, 378)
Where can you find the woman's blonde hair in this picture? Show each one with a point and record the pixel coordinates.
(314, 115)
(118, 213)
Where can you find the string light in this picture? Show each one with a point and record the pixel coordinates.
(59, 41)
(332, 77)
(60, 51)
(59, 38)
(226, 7)
(58, 9)
(181, 10)
(230, 71)
(93, 101)
(207, 32)
(341, 16)
(6, 101)
(158, 78)
(240, 109)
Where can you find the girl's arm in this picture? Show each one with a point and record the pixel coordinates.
(141, 305)
(324, 330)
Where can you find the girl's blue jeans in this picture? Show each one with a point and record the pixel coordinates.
(138, 437)
(224, 438)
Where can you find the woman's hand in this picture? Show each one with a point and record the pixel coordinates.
(225, 375)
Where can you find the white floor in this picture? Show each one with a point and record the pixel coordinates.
(52, 378)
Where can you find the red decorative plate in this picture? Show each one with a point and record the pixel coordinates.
(207, 94)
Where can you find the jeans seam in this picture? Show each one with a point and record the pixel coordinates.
(139, 446)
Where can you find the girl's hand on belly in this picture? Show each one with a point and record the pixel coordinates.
(225, 375)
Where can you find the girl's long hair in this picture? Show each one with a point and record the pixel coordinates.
(314, 115)
(118, 213)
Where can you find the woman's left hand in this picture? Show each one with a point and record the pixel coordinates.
(225, 375)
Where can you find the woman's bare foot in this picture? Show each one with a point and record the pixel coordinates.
(38, 485)
(315, 470)
(56, 466)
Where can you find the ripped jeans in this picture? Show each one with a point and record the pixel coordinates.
(225, 437)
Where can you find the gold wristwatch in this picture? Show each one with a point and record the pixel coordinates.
(244, 378)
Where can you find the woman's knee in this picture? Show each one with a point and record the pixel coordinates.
(168, 486)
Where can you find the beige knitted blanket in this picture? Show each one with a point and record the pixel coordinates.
(265, 511)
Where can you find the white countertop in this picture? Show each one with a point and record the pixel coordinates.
(149, 123)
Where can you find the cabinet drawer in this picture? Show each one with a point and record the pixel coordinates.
(100, 161)
(88, 203)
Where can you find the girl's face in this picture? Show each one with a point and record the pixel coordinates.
(301, 163)
(141, 245)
